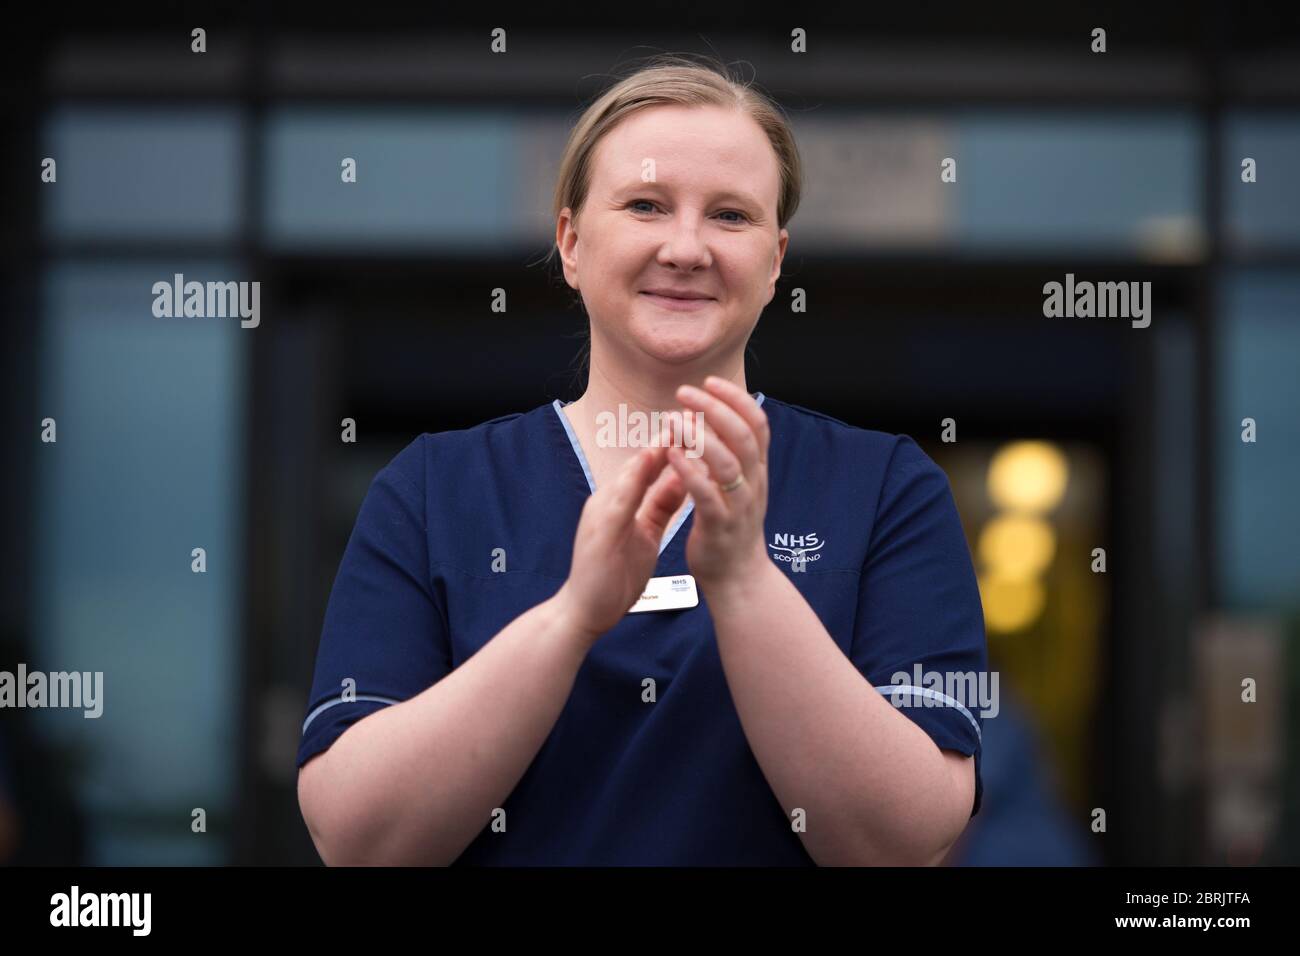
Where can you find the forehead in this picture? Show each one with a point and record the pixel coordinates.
(689, 145)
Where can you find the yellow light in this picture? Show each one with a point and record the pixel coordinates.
(1016, 546)
(1010, 605)
(1028, 476)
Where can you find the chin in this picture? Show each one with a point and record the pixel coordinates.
(676, 346)
(675, 353)
(687, 342)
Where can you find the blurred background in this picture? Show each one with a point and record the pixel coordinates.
(1121, 670)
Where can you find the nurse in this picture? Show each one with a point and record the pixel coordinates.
(485, 690)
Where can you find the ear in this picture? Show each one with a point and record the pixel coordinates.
(783, 240)
(566, 240)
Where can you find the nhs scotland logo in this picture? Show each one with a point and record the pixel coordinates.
(796, 549)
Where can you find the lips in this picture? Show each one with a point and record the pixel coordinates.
(676, 293)
(677, 301)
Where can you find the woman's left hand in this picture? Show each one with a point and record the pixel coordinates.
(726, 544)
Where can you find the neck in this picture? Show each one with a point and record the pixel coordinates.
(640, 390)
(646, 389)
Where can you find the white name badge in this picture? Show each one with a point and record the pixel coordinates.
(669, 593)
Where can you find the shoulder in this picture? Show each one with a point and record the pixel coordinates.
(887, 454)
(437, 455)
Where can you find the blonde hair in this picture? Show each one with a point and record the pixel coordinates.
(676, 79)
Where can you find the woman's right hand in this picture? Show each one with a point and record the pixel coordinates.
(617, 543)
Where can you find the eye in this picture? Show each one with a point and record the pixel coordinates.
(650, 202)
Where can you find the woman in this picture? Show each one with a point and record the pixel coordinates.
(474, 703)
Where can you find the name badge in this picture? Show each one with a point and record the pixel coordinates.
(671, 593)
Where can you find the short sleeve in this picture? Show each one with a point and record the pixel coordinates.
(385, 632)
(919, 631)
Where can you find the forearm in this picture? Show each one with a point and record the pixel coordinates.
(416, 782)
(875, 788)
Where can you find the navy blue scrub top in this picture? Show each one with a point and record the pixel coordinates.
(620, 781)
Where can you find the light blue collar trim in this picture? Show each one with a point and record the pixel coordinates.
(591, 482)
(573, 440)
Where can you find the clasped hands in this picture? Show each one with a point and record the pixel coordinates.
(616, 545)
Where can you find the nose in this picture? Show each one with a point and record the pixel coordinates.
(685, 246)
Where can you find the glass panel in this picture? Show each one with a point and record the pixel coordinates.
(1107, 183)
(423, 177)
(1258, 511)
(128, 173)
(147, 466)
(1266, 212)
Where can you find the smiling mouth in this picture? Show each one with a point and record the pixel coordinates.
(675, 304)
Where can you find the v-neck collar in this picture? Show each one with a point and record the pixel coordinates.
(591, 481)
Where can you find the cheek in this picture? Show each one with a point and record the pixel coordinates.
(745, 277)
(616, 267)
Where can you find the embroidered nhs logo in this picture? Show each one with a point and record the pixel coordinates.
(796, 549)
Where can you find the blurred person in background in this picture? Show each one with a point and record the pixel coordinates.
(1023, 821)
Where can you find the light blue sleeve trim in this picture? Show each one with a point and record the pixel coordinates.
(334, 703)
(933, 694)
(591, 482)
